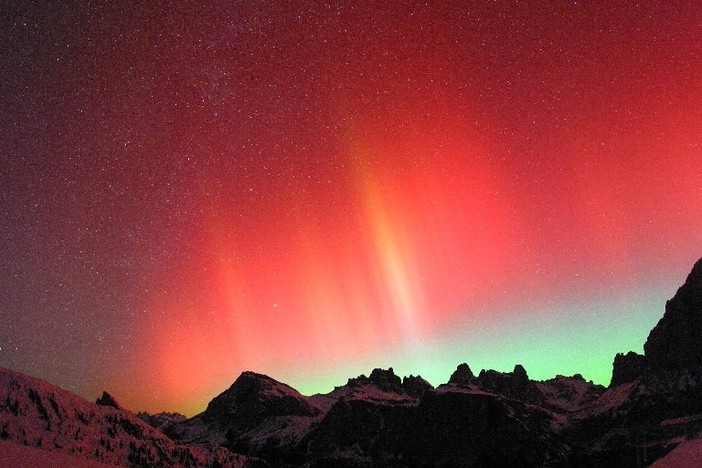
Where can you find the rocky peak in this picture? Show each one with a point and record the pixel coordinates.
(676, 341)
(519, 380)
(382, 379)
(416, 386)
(513, 383)
(627, 368)
(462, 375)
(255, 396)
(385, 379)
(108, 400)
(520, 374)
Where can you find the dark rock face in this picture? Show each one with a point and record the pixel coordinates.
(676, 341)
(655, 399)
(514, 384)
(382, 379)
(416, 387)
(462, 375)
(256, 415)
(463, 429)
(627, 368)
(254, 397)
(519, 379)
(107, 400)
(567, 394)
(359, 433)
(633, 424)
(385, 379)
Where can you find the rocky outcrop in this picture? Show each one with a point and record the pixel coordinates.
(519, 379)
(107, 400)
(627, 368)
(462, 375)
(515, 384)
(382, 386)
(416, 387)
(676, 341)
(382, 379)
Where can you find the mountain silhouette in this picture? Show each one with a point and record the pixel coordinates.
(650, 414)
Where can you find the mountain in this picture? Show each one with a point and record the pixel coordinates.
(35, 413)
(108, 400)
(672, 352)
(655, 399)
(383, 420)
(256, 415)
(650, 413)
(674, 343)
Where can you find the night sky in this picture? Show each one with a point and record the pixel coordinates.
(311, 190)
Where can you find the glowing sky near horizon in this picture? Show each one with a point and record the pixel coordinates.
(311, 191)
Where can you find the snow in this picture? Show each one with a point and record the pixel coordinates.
(22, 456)
(683, 420)
(287, 430)
(609, 400)
(686, 455)
(567, 393)
(38, 414)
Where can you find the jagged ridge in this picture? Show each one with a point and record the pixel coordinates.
(492, 419)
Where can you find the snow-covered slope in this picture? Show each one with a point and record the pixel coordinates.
(686, 455)
(608, 401)
(255, 411)
(14, 455)
(38, 414)
(568, 394)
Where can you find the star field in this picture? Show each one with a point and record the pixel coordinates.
(314, 189)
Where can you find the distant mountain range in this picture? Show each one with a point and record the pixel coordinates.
(651, 414)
